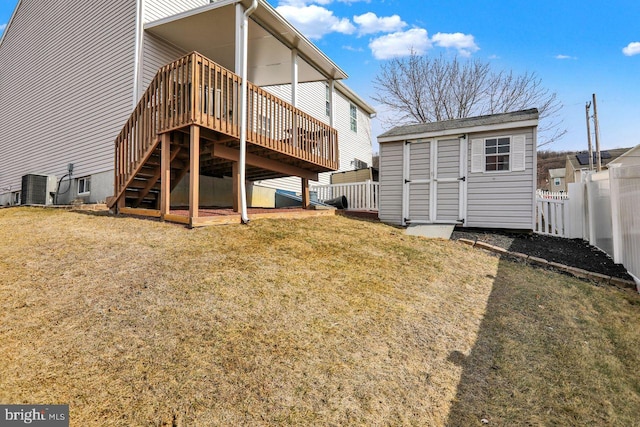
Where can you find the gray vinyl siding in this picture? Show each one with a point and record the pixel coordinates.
(66, 75)
(158, 9)
(502, 199)
(391, 158)
(351, 145)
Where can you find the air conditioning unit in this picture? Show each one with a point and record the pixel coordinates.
(38, 189)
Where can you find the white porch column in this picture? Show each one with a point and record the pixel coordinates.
(332, 113)
(239, 21)
(294, 78)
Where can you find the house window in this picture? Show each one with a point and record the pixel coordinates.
(353, 114)
(556, 182)
(497, 153)
(84, 185)
(328, 101)
(359, 164)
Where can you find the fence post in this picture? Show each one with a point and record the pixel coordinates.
(616, 230)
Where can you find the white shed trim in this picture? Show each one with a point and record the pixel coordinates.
(450, 132)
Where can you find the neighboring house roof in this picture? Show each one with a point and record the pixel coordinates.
(632, 152)
(557, 173)
(580, 160)
(466, 125)
(346, 91)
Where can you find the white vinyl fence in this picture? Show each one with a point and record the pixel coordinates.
(552, 213)
(360, 195)
(605, 210)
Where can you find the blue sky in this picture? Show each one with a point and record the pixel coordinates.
(576, 47)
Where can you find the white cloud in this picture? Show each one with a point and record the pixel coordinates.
(464, 43)
(2, 27)
(565, 57)
(401, 43)
(315, 21)
(370, 23)
(632, 49)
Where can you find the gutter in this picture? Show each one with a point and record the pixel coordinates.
(243, 113)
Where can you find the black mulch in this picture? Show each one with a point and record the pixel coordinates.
(572, 252)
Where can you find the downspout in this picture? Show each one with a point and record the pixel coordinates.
(137, 53)
(243, 113)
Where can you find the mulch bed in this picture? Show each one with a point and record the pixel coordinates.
(572, 252)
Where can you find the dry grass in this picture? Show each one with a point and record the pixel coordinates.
(325, 321)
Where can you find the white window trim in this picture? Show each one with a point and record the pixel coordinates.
(85, 179)
(510, 153)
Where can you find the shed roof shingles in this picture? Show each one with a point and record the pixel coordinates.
(493, 119)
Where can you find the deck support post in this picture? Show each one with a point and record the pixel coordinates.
(165, 175)
(235, 174)
(306, 199)
(194, 172)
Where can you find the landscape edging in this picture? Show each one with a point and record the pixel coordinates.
(577, 272)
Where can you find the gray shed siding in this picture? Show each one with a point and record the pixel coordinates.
(493, 199)
(391, 158)
(502, 199)
(66, 75)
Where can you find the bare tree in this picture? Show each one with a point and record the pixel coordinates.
(420, 89)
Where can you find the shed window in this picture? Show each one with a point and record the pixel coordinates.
(353, 113)
(498, 154)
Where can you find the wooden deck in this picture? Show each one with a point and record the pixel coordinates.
(188, 121)
(224, 216)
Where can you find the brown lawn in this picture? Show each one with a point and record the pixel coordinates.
(326, 321)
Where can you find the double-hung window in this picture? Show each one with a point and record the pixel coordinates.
(353, 114)
(498, 154)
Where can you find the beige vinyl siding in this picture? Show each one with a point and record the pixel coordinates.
(311, 100)
(66, 75)
(158, 9)
(502, 199)
(391, 160)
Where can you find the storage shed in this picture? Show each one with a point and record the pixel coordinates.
(473, 172)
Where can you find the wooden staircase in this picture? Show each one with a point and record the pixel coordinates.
(195, 91)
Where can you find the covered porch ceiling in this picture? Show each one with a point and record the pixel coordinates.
(211, 30)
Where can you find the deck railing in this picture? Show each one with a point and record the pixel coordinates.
(360, 195)
(196, 90)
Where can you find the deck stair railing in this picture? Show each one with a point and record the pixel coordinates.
(195, 90)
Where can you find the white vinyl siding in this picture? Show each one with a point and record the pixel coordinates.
(502, 199)
(391, 159)
(155, 54)
(312, 100)
(158, 9)
(85, 53)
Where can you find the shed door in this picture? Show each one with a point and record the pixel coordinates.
(448, 181)
(434, 177)
(417, 182)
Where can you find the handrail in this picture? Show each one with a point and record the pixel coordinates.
(196, 90)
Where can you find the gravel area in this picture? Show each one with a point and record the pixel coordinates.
(571, 252)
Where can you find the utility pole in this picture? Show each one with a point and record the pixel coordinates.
(587, 107)
(597, 130)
